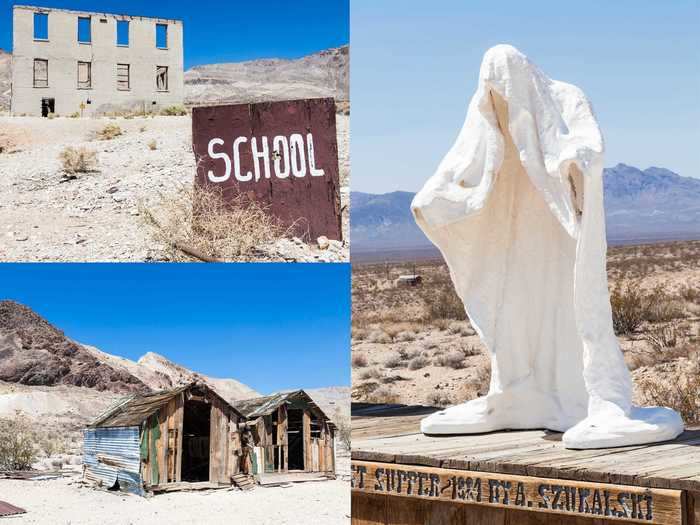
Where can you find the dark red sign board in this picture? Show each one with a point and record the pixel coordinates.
(282, 154)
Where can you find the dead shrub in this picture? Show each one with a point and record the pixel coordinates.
(662, 337)
(628, 308)
(370, 373)
(378, 336)
(383, 395)
(359, 361)
(405, 336)
(418, 362)
(343, 429)
(682, 394)
(395, 361)
(197, 223)
(438, 399)
(17, 451)
(453, 359)
(109, 132)
(78, 160)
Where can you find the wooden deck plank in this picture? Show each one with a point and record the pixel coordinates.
(392, 434)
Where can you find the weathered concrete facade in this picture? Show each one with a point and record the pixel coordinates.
(99, 76)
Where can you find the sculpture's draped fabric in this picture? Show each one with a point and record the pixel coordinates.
(516, 208)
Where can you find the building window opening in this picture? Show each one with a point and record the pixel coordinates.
(161, 36)
(84, 30)
(162, 78)
(123, 33)
(84, 75)
(41, 73)
(123, 77)
(41, 26)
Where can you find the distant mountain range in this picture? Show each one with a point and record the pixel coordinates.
(640, 205)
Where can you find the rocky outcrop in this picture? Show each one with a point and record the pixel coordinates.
(34, 352)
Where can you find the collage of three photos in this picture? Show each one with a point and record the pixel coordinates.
(204, 318)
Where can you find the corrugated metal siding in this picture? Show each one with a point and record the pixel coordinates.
(111, 455)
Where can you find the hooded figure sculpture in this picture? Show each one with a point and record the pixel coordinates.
(516, 208)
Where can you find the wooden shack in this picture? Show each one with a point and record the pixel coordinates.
(292, 434)
(167, 440)
(400, 476)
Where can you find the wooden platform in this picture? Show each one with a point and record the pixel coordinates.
(391, 435)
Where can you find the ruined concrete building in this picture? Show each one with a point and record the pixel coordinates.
(69, 62)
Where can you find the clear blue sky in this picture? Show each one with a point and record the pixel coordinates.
(226, 31)
(415, 66)
(271, 326)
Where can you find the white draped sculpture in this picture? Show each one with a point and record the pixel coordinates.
(516, 208)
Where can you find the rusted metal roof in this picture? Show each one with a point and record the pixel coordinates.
(135, 409)
(7, 509)
(266, 405)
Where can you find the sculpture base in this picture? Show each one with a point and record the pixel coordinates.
(501, 412)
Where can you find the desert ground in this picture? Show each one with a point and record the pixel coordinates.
(414, 345)
(47, 214)
(65, 500)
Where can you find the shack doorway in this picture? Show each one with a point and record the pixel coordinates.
(295, 439)
(48, 105)
(196, 431)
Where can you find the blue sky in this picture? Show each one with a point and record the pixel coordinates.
(415, 65)
(217, 31)
(271, 326)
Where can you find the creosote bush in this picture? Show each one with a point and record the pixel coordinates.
(196, 223)
(17, 451)
(78, 160)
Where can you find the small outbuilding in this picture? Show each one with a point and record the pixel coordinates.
(188, 436)
(292, 435)
(408, 280)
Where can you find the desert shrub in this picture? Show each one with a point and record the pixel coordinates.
(78, 160)
(395, 361)
(383, 395)
(17, 451)
(453, 359)
(142, 129)
(628, 308)
(7, 144)
(199, 224)
(444, 304)
(359, 334)
(75, 114)
(174, 111)
(370, 373)
(359, 361)
(405, 336)
(418, 362)
(682, 394)
(343, 429)
(438, 399)
(152, 145)
(51, 116)
(109, 132)
(378, 336)
(662, 337)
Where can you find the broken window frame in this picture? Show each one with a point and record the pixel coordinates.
(162, 86)
(162, 36)
(37, 81)
(85, 84)
(121, 76)
(42, 28)
(123, 23)
(89, 30)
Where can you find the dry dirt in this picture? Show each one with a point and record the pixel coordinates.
(95, 217)
(66, 501)
(412, 345)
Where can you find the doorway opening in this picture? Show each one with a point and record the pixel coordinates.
(48, 105)
(295, 439)
(196, 430)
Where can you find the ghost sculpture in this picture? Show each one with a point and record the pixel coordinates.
(516, 208)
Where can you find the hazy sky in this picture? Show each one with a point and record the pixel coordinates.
(415, 65)
(271, 326)
(226, 31)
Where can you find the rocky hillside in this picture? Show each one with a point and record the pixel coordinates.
(5, 79)
(640, 205)
(322, 74)
(34, 352)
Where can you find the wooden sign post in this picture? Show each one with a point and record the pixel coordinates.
(283, 155)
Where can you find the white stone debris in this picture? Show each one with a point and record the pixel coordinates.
(516, 208)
